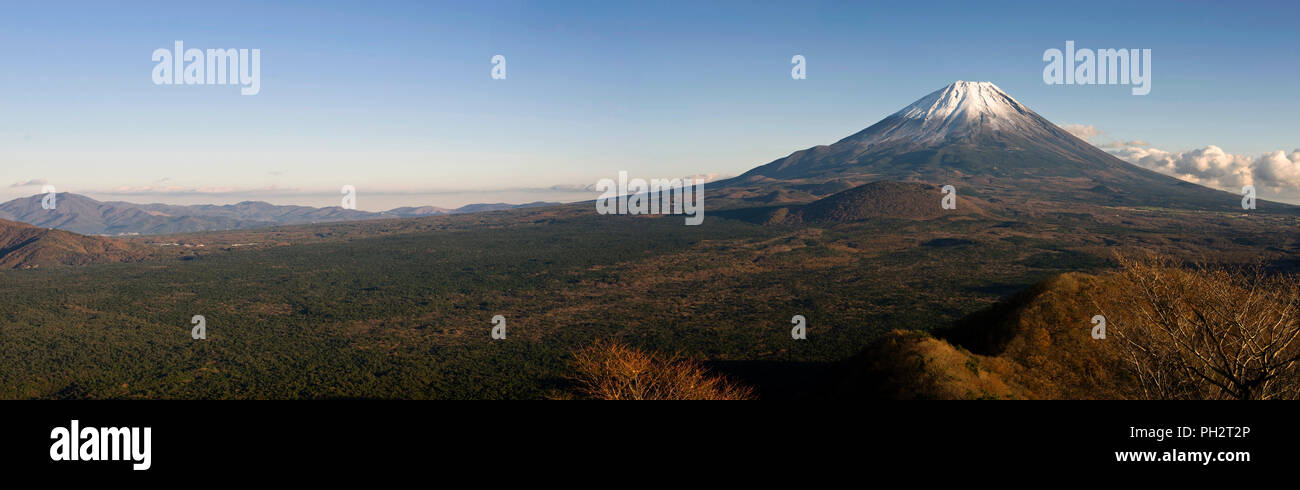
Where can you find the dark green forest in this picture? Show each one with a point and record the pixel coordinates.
(403, 309)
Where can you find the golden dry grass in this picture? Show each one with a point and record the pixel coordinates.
(912, 365)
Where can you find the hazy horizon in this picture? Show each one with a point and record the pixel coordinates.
(323, 199)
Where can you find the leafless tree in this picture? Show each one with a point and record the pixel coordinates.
(1205, 332)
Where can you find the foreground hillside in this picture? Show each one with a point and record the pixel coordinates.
(1155, 329)
(1036, 344)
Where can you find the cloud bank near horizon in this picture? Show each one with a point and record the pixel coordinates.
(1275, 173)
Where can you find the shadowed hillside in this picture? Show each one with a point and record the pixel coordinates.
(883, 199)
(25, 246)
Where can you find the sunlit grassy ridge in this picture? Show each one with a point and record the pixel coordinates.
(1173, 331)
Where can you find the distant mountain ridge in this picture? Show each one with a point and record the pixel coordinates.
(87, 216)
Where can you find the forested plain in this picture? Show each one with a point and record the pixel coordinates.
(403, 309)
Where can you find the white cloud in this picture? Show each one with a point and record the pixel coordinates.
(1091, 134)
(709, 177)
(176, 190)
(1278, 169)
(30, 183)
(1085, 133)
(573, 188)
(1276, 173)
(1123, 144)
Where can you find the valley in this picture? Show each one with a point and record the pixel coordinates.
(851, 236)
(403, 308)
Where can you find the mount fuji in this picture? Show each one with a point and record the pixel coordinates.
(977, 137)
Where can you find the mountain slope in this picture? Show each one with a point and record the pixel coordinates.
(974, 135)
(24, 246)
(883, 199)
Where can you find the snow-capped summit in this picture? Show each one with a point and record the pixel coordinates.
(964, 99)
(957, 111)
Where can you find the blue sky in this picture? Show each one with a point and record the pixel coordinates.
(396, 98)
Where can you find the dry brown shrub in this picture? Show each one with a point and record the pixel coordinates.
(614, 371)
